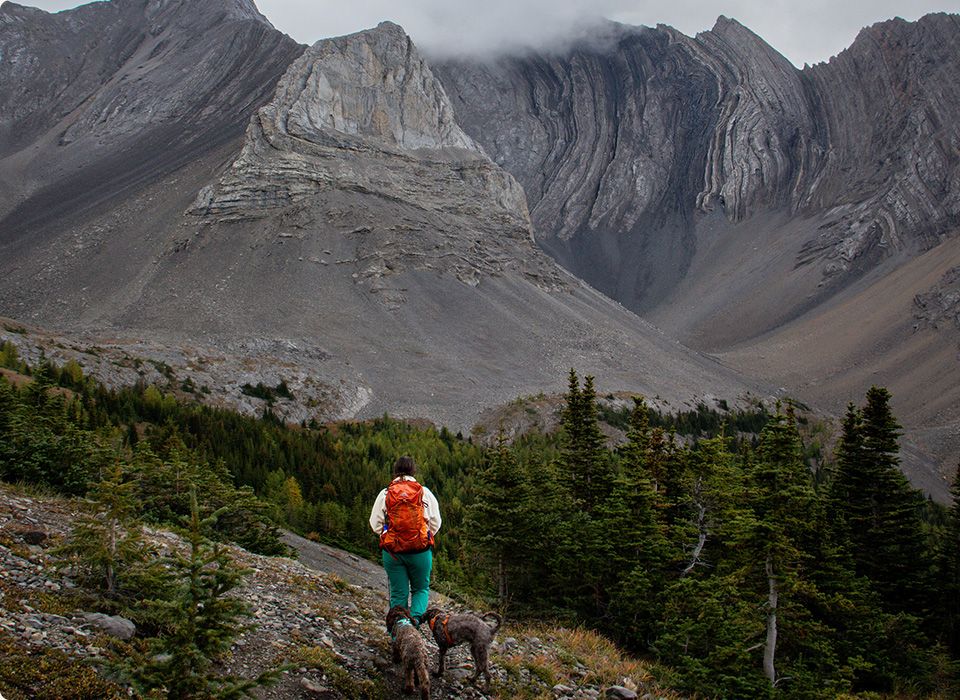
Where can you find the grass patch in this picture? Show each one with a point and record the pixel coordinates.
(572, 657)
(37, 673)
(325, 661)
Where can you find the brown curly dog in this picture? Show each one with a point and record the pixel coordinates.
(450, 630)
(410, 649)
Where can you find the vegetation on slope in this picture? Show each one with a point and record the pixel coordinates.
(725, 556)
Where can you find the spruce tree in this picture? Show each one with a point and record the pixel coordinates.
(200, 621)
(950, 573)
(632, 522)
(584, 456)
(497, 522)
(106, 550)
(782, 503)
(878, 512)
(709, 625)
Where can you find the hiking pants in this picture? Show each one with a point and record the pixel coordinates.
(409, 573)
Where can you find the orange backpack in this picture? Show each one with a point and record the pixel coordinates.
(405, 529)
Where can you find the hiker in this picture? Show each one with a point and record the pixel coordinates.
(406, 516)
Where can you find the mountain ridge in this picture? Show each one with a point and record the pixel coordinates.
(177, 196)
(385, 274)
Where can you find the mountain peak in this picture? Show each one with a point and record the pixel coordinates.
(8, 9)
(371, 85)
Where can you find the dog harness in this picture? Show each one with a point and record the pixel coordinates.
(443, 624)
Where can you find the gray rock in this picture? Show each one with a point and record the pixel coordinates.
(622, 179)
(618, 692)
(114, 625)
(314, 687)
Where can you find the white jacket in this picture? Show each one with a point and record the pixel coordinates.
(431, 510)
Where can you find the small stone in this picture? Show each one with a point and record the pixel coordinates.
(560, 690)
(618, 692)
(312, 686)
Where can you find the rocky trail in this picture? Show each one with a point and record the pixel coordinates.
(320, 614)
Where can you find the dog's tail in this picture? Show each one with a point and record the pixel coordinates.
(423, 679)
(496, 618)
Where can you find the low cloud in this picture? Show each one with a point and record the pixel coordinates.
(807, 31)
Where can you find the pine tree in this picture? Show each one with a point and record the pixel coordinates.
(950, 573)
(584, 457)
(106, 550)
(877, 510)
(201, 620)
(631, 520)
(497, 522)
(783, 499)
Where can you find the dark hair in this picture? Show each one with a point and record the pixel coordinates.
(404, 466)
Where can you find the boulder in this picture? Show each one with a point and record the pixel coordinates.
(114, 625)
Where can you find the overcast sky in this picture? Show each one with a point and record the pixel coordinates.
(805, 32)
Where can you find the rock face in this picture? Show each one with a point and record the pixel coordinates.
(624, 142)
(354, 243)
(101, 100)
(364, 114)
(941, 304)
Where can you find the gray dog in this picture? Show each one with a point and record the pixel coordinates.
(450, 630)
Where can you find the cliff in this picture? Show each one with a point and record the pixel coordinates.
(624, 143)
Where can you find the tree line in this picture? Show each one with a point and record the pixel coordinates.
(730, 560)
(723, 554)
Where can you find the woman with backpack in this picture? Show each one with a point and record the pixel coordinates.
(406, 516)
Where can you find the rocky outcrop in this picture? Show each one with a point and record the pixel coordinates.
(940, 307)
(888, 176)
(363, 113)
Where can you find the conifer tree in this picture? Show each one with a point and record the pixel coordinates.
(878, 512)
(585, 458)
(783, 500)
(201, 620)
(548, 507)
(632, 522)
(709, 627)
(106, 550)
(497, 523)
(950, 573)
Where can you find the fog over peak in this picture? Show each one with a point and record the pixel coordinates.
(805, 32)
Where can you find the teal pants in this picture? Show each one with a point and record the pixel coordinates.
(409, 573)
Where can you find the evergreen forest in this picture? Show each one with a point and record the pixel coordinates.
(724, 545)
